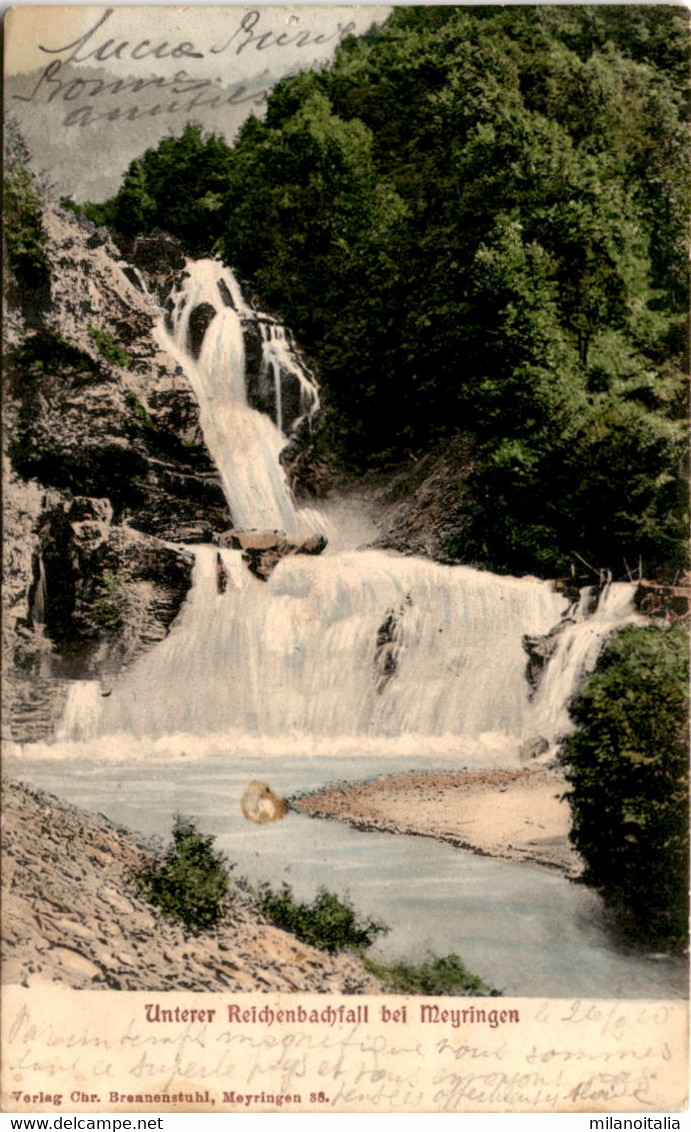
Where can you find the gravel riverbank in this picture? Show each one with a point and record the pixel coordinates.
(517, 815)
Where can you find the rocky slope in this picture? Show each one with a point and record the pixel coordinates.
(72, 914)
(104, 465)
(422, 510)
(96, 407)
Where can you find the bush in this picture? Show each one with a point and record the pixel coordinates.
(333, 925)
(109, 347)
(190, 884)
(628, 771)
(328, 922)
(447, 975)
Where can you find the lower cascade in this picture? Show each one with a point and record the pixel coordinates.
(354, 647)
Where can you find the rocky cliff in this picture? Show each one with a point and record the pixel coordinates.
(104, 470)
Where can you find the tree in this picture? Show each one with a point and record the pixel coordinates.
(475, 222)
(627, 765)
(26, 266)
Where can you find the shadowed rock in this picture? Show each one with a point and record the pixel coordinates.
(200, 320)
(540, 650)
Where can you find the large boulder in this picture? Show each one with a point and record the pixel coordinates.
(263, 550)
(540, 650)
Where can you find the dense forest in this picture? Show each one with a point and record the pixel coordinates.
(475, 221)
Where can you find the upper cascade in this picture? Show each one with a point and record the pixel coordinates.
(252, 386)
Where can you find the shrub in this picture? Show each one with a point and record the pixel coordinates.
(111, 603)
(447, 975)
(109, 347)
(627, 767)
(328, 922)
(190, 883)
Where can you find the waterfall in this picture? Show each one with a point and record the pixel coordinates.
(578, 649)
(207, 331)
(350, 651)
(303, 654)
(357, 649)
(82, 713)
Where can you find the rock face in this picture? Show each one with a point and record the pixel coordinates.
(98, 408)
(109, 592)
(540, 650)
(422, 510)
(103, 459)
(277, 380)
(263, 550)
(273, 369)
(73, 915)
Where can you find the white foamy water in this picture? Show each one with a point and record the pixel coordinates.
(299, 656)
(354, 650)
(360, 652)
(244, 443)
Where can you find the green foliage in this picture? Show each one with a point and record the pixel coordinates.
(177, 187)
(328, 922)
(25, 237)
(476, 223)
(111, 603)
(144, 422)
(333, 924)
(510, 235)
(109, 347)
(627, 765)
(437, 976)
(190, 884)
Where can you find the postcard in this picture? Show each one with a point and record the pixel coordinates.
(346, 594)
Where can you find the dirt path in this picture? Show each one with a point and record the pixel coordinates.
(516, 815)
